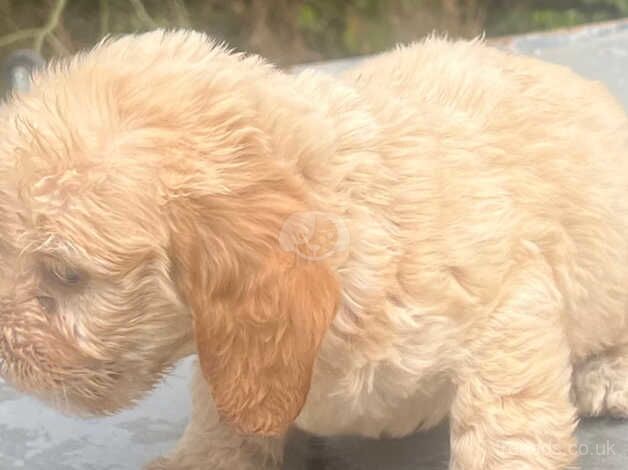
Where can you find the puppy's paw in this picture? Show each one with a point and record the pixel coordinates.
(600, 388)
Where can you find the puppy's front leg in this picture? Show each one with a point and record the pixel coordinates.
(512, 410)
(209, 444)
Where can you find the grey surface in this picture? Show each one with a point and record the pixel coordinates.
(34, 437)
(596, 53)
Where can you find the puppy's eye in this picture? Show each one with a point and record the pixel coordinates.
(65, 274)
(62, 273)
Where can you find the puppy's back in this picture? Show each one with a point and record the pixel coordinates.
(492, 150)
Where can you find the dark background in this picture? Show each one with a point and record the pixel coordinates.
(288, 31)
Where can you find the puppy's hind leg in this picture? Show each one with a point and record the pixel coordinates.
(600, 384)
(210, 444)
(512, 409)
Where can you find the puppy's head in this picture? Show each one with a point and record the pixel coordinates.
(140, 213)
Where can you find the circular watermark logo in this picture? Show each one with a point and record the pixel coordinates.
(314, 235)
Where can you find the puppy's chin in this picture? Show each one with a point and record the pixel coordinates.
(63, 375)
(83, 358)
(90, 396)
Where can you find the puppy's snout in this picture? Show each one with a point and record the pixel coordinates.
(16, 291)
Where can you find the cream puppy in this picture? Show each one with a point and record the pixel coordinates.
(441, 233)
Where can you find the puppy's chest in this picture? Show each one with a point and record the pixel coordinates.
(393, 391)
(386, 363)
(375, 401)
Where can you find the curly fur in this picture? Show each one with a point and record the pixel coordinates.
(467, 255)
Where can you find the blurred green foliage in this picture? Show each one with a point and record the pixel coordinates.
(288, 31)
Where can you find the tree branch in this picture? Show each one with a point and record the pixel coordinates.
(53, 22)
(104, 17)
(142, 14)
(58, 45)
(18, 36)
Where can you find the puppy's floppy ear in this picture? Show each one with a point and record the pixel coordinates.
(260, 312)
